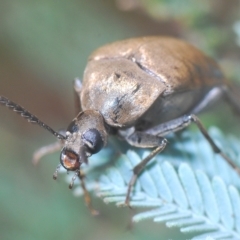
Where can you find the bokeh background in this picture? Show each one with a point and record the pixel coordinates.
(44, 45)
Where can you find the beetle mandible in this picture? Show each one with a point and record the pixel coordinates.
(140, 89)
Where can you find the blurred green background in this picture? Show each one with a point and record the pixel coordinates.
(44, 45)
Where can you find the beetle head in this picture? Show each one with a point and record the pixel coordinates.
(86, 135)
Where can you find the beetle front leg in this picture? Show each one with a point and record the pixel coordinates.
(48, 149)
(143, 140)
(77, 84)
(86, 194)
(183, 122)
(45, 150)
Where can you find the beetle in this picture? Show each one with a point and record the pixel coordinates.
(140, 89)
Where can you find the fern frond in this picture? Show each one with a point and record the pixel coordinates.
(187, 186)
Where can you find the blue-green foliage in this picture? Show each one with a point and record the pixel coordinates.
(187, 186)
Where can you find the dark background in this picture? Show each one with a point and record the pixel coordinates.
(44, 45)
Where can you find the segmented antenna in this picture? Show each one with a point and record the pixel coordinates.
(28, 116)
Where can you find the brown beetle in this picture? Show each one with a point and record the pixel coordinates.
(140, 89)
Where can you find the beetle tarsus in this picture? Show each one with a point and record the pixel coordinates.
(55, 174)
(74, 178)
(129, 190)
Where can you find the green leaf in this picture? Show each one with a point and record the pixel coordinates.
(186, 186)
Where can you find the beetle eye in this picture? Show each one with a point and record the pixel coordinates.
(72, 127)
(69, 160)
(93, 140)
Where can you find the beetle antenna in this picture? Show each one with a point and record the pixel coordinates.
(28, 116)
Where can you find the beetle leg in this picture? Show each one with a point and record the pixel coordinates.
(87, 197)
(45, 150)
(140, 139)
(139, 167)
(215, 148)
(181, 123)
(213, 96)
(232, 94)
(55, 174)
(77, 90)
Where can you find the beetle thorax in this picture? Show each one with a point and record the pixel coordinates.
(85, 121)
